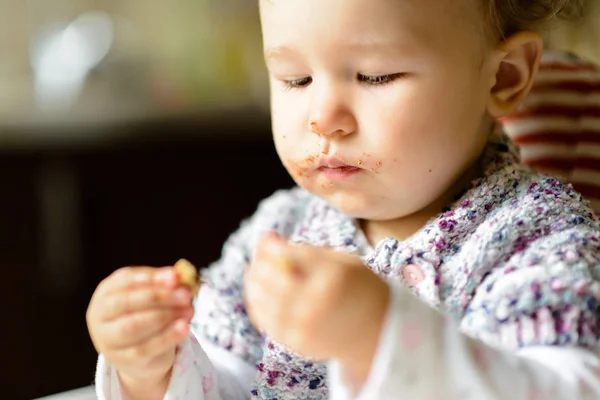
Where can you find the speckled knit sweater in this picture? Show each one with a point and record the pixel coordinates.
(514, 260)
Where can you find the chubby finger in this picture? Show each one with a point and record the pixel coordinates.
(276, 252)
(265, 277)
(267, 289)
(160, 343)
(127, 302)
(133, 277)
(259, 305)
(303, 259)
(140, 327)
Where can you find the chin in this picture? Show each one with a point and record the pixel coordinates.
(368, 208)
(354, 205)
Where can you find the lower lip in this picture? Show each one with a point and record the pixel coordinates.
(340, 173)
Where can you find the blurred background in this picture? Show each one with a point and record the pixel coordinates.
(131, 132)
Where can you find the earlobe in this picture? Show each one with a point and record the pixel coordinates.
(516, 66)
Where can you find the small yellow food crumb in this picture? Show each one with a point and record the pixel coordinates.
(188, 275)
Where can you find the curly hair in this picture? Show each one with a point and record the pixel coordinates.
(511, 16)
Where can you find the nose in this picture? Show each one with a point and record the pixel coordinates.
(330, 114)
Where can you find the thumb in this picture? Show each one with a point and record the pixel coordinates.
(294, 257)
(273, 247)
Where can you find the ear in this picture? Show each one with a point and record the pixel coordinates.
(516, 62)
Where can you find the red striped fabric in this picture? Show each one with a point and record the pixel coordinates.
(558, 124)
(567, 65)
(552, 110)
(568, 86)
(558, 136)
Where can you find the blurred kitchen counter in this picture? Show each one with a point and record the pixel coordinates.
(81, 200)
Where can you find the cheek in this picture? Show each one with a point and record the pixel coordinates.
(286, 124)
(461, 102)
(284, 136)
(424, 143)
(399, 138)
(291, 156)
(403, 123)
(288, 108)
(296, 147)
(435, 120)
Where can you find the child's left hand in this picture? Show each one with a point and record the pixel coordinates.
(318, 302)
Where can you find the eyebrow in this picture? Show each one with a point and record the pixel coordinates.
(276, 52)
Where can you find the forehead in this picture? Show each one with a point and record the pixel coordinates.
(427, 22)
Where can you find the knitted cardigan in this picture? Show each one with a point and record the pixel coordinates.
(514, 261)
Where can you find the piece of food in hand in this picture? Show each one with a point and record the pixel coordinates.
(188, 275)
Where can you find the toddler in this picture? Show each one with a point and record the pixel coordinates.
(416, 259)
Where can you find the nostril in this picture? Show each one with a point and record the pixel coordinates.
(314, 127)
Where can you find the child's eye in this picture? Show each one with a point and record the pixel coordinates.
(378, 79)
(297, 83)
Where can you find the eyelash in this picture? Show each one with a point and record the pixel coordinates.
(378, 80)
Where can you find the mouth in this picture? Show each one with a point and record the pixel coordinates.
(336, 170)
(332, 168)
(334, 163)
(345, 168)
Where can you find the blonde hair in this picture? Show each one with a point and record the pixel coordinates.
(580, 36)
(507, 17)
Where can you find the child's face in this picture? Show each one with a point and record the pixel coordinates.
(412, 137)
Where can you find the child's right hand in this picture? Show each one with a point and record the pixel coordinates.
(136, 318)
